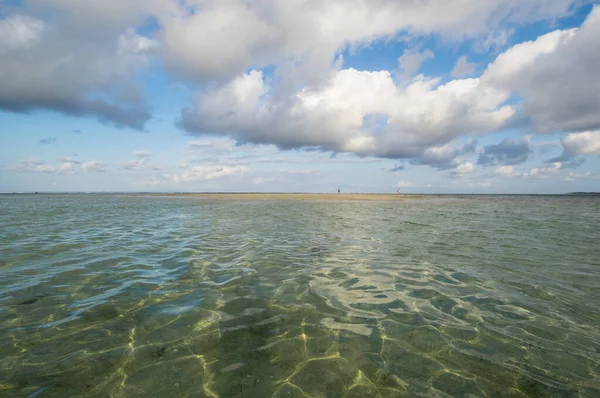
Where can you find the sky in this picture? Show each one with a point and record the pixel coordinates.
(428, 96)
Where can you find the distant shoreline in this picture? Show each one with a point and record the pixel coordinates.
(301, 196)
(307, 196)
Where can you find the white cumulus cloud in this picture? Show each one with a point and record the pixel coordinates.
(334, 116)
(207, 39)
(586, 143)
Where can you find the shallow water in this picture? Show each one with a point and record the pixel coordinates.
(131, 296)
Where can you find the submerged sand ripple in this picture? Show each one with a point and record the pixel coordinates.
(122, 296)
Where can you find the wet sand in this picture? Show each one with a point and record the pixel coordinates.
(305, 196)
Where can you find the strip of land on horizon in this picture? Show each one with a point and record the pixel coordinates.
(303, 196)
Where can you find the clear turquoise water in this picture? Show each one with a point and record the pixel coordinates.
(150, 296)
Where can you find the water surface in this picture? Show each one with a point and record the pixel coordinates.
(174, 297)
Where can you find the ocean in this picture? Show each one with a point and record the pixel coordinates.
(126, 296)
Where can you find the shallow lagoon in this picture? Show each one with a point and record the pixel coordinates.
(130, 295)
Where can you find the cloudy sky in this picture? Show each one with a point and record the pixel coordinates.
(495, 96)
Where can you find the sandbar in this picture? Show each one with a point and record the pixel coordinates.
(357, 197)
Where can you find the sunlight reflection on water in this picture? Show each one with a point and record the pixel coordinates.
(122, 296)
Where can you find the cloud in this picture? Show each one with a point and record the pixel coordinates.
(266, 180)
(69, 160)
(564, 157)
(465, 168)
(445, 157)
(463, 67)
(93, 166)
(132, 43)
(19, 32)
(41, 67)
(143, 154)
(587, 143)
(68, 168)
(303, 38)
(134, 164)
(77, 131)
(44, 44)
(535, 172)
(102, 15)
(206, 173)
(411, 117)
(143, 161)
(507, 152)
(581, 176)
(49, 140)
(332, 117)
(462, 170)
(495, 40)
(544, 171)
(306, 100)
(505, 171)
(216, 145)
(301, 171)
(410, 61)
(396, 168)
(32, 165)
(568, 162)
(555, 77)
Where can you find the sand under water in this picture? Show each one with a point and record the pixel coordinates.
(127, 296)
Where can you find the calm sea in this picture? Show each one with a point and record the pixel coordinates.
(171, 297)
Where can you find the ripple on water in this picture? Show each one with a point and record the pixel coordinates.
(104, 295)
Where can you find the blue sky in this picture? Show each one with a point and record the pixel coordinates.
(200, 95)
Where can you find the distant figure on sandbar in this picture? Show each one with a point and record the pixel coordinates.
(398, 191)
(339, 190)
